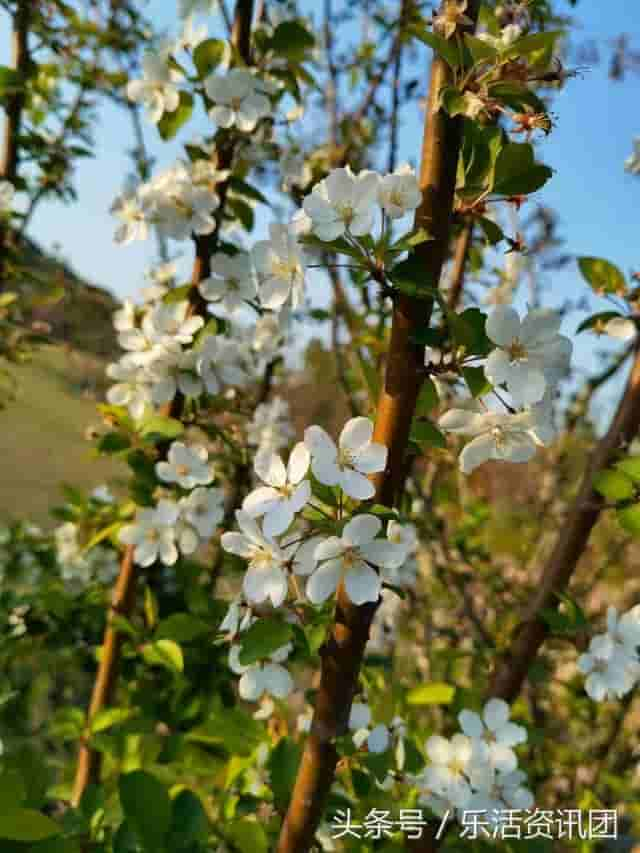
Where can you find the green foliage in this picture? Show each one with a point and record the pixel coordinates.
(146, 806)
(262, 639)
(170, 123)
(431, 694)
(602, 275)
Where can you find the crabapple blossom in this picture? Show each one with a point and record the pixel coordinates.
(286, 491)
(222, 361)
(280, 267)
(266, 576)
(204, 509)
(621, 328)
(343, 203)
(157, 88)
(135, 224)
(7, 192)
(399, 192)
(507, 36)
(238, 618)
(612, 663)
(173, 370)
(495, 729)
(530, 352)
(301, 556)
(128, 390)
(187, 466)
(510, 438)
(239, 99)
(153, 534)
(452, 763)
(231, 281)
(270, 426)
(348, 464)
(451, 17)
(258, 679)
(351, 558)
(376, 739)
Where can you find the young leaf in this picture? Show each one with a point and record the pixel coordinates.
(602, 275)
(208, 55)
(436, 693)
(262, 639)
(614, 486)
(170, 123)
(516, 172)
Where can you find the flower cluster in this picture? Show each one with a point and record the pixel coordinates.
(181, 521)
(612, 663)
(529, 359)
(476, 769)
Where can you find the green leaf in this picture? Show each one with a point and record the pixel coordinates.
(113, 442)
(446, 49)
(164, 653)
(629, 518)
(537, 42)
(476, 381)
(262, 639)
(602, 275)
(492, 231)
(159, 428)
(568, 620)
(108, 717)
(189, 822)
(480, 51)
(248, 836)
(436, 693)
(410, 277)
(425, 432)
(614, 486)
(146, 805)
(630, 467)
(182, 627)
(27, 825)
(517, 96)
(292, 40)
(208, 55)
(517, 173)
(245, 189)
(170, 123)
(468, 330)
(12, 790)
(597, 321)
(232, 729)
(428, 398)
(283, 768)
(10, 81)
(453, 101)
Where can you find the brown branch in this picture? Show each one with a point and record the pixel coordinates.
(10, 155)
(343, 652)
(570, 545)
(89, 760)
(460, 256)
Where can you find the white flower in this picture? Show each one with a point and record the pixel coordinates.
(286, 491)
(404, 535)
(266, 576)
(157, 88)
(377, 739)
(451, 763)
(606, 669)
(220, 362)
(495, 730)
(399, 192)
(186, 466)
(239, 99)
(351, 558)
(124, 319)
(348, 464)
(530, 352)
(238, 618)
(622, 328)
(294, 169)
(153, 534)
(301, 555)
(632, 163)
(507, 36)
(271, 425)
(280, 266)
(128, 391)
(130, 209)
(231, 281)
(166, 324)
(7, 192)
(625, 629)
(510, 438)
(173, 370)
(259, 679)
(343, 202)
(204, 509)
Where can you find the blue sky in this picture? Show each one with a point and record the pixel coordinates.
(597, 201)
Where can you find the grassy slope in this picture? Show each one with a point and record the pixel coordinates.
(42, 433)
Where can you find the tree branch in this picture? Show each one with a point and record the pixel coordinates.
(570, 545)
(343, 652)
